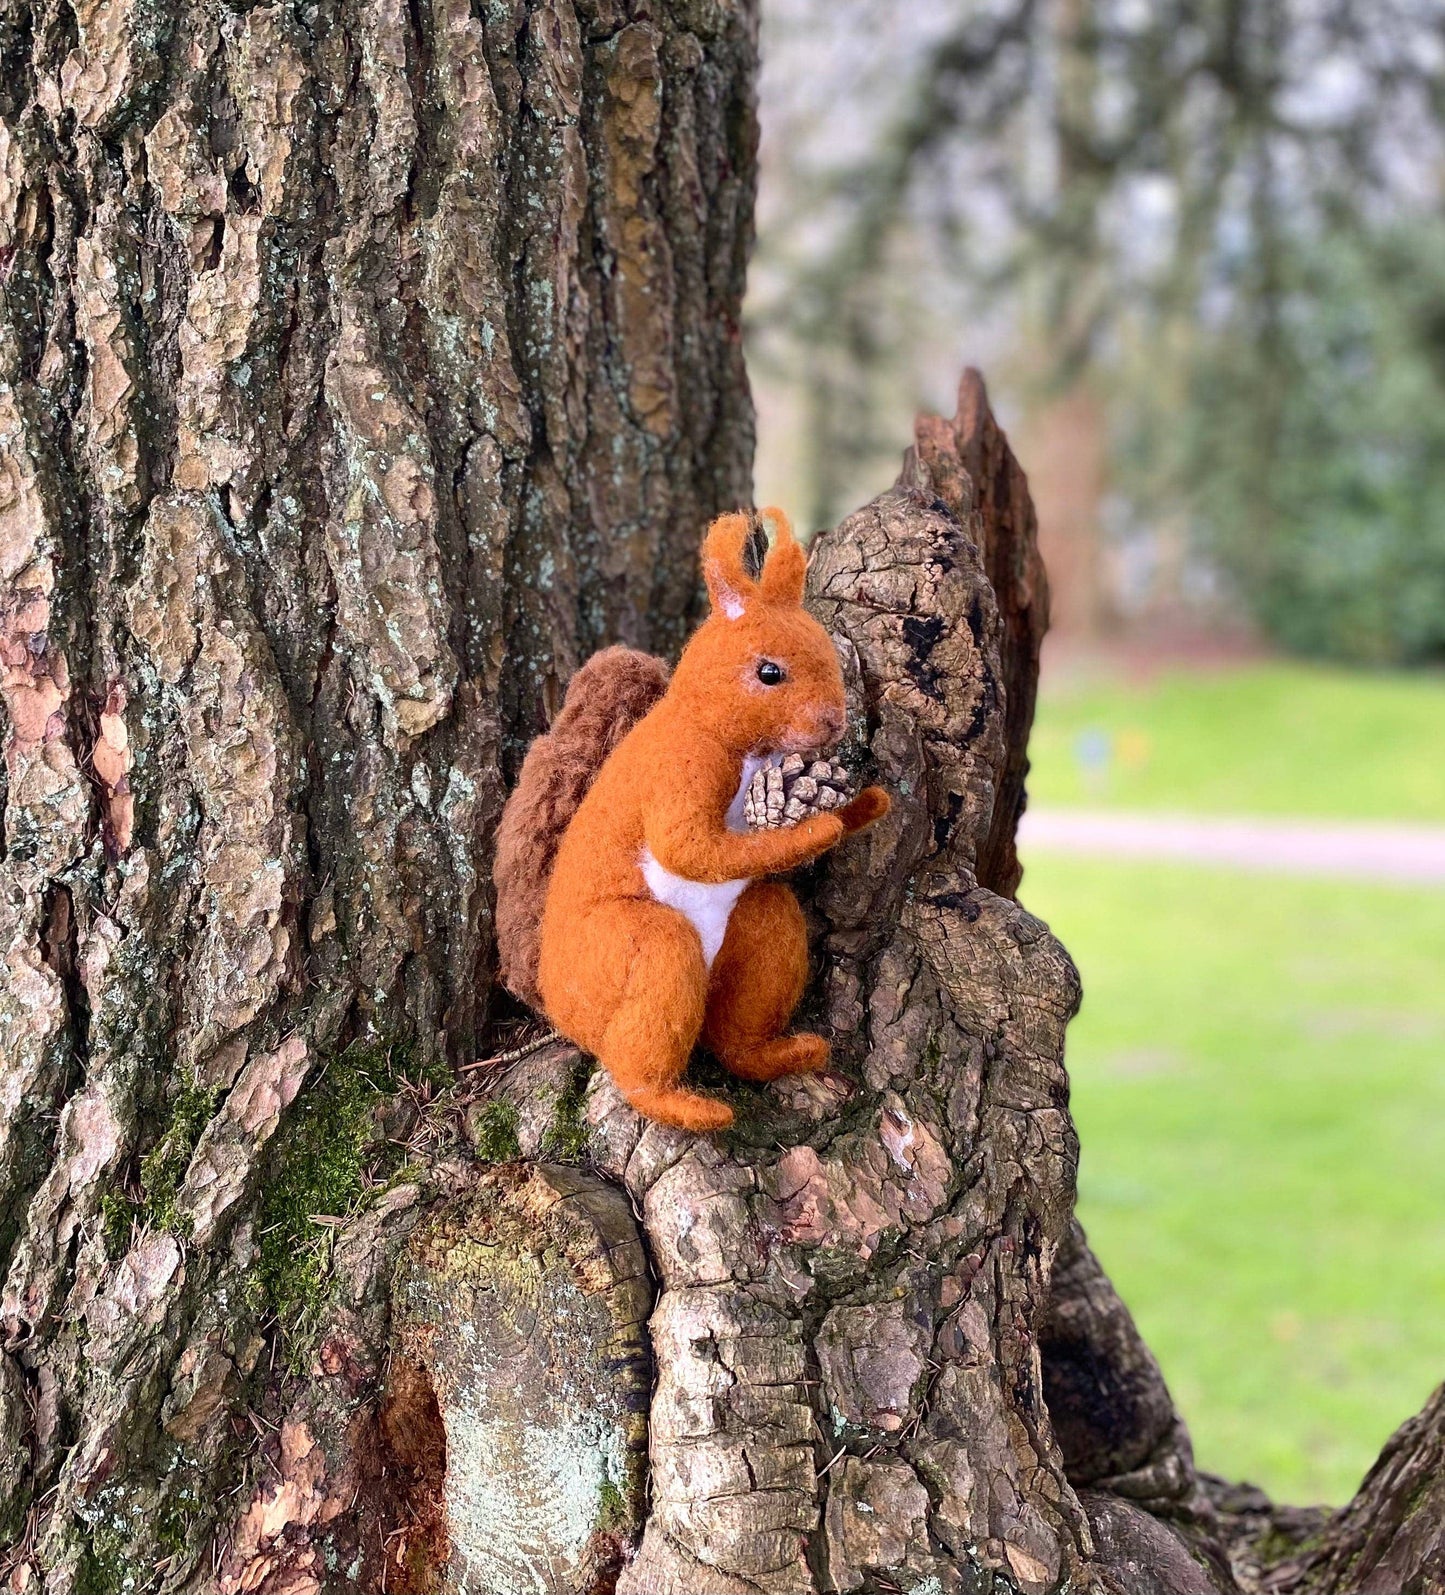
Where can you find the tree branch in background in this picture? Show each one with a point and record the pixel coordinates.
(1144, 196)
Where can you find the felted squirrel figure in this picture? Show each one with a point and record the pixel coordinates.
(660, 925)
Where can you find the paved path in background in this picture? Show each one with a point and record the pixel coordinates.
(1406, 855)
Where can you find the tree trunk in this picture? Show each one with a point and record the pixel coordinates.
(362, 368)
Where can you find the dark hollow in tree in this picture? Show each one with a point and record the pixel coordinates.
(362, 368)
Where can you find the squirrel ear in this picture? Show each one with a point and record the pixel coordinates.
(728, 583)
(786, 568)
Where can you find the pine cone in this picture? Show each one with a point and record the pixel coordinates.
(784, 793)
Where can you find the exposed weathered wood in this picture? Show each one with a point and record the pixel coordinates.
(524, 1307)
(1139, 1554)
(968, 462)
(1115, 1421)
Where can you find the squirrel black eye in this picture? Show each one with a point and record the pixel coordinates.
(770, 673)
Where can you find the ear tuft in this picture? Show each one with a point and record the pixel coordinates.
(723, 553)
(785, 571)
(755, 549)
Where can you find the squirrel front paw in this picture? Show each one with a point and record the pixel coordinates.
(871, 804)
(799, 844)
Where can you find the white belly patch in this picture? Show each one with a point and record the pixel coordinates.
(707, 906)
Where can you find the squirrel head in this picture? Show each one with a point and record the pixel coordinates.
(760, 673)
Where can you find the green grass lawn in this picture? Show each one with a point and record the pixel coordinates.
(1259, 1069)
(1265, 739)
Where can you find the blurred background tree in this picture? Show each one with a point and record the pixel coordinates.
(1198, 243)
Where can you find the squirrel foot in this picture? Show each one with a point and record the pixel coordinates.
(801, 1054)
(684, 1110)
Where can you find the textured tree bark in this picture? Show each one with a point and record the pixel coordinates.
(1390, 1538)
(362, 367)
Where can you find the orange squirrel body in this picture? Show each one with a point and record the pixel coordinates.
(659, 924)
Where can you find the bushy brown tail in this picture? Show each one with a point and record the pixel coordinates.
(605, 699)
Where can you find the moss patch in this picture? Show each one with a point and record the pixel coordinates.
(161, 1172)
(567, 1136)
(612, 1513)
(117, 1218)
(149, 1520)
(104, 1568)
(323, 1158)
(164, 1167)
(494, 1133)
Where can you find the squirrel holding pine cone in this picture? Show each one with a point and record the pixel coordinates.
(640, 914)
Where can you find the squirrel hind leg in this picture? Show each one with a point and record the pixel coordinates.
(757, 981)
(771, 1060)
(655, 1025)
